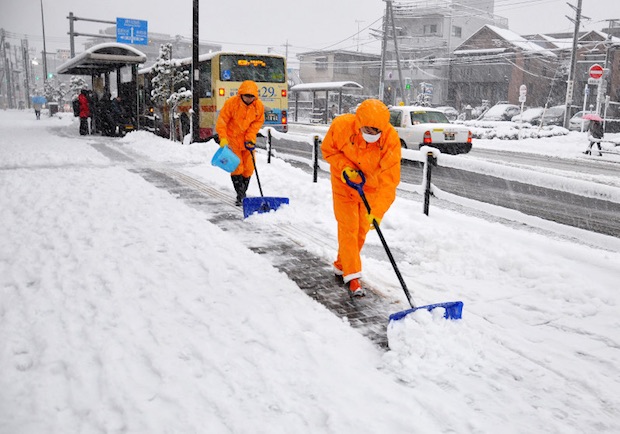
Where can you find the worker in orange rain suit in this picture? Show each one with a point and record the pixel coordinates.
(363, 142)
(237, 126)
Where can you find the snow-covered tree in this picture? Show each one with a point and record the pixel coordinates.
(166, 78)
(169, 85)
(76, 84)
(50, 91)
(55, 92)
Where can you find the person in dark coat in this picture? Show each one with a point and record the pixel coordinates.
(119, 115)
(84, 112)
(95, 112)
(106, 116)
(596, 134)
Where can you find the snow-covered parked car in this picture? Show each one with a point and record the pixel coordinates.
(553, 116)
(531, 116)
(424, 126)
(500, 112)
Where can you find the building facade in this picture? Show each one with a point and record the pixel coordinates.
(341, 65)
(494, 63)
(427, 32)
(338, 65)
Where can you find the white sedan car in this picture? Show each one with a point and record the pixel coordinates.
(425, 126)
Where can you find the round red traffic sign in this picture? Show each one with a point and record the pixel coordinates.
(596, 71)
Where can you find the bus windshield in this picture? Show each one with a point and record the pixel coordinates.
(261, 69)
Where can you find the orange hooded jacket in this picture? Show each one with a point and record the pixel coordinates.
(344, 146)
(239, 123)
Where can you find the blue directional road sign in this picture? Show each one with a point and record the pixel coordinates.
(130, 31)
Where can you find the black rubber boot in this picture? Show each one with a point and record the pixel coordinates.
(237, 181)
(246, 184)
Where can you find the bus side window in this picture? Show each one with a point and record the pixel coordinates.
(205, 80)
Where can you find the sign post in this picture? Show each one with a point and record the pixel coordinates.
(596, 72)
(596, 77)
(522, 98)
(130, 31)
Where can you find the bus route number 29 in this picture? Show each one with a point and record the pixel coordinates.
(267, 92)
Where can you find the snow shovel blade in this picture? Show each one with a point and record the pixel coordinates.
(261, 205)
(453, 310)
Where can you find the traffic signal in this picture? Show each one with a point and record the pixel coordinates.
(50, 75)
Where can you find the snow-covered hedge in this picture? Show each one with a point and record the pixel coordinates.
(512, 130)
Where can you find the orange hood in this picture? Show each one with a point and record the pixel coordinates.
(248, 87)
(372, 113)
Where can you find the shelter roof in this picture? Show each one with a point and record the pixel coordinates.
(102, 58)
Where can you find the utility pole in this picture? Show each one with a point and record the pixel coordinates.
(71, 37)
(573, 63)
(8, 69)
(602, 88)
(383, 51)
(26, 59)
(15, 78)
(358, 33)
(195, 76)
(386, 21)
(44, 48)
(400, 72)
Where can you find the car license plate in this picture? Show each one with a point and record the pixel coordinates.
(449, 136)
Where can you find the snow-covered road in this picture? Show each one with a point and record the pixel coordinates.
(124, 310)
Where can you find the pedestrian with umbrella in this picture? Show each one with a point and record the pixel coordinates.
(596, 132)
(37, 104)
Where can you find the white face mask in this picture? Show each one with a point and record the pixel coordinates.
(371, 138)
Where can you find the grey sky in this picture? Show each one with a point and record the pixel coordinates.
(254, 26)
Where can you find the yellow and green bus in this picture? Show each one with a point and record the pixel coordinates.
(221, 73)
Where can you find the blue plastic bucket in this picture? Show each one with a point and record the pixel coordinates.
(225, 159)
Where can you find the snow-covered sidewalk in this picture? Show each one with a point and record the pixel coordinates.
(123, 310)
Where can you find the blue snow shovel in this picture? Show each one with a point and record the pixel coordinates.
(260, 204)
(453, 309)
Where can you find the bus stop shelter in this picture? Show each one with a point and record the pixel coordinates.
(328, 86)
(103, 59)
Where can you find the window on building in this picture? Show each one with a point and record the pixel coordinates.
(320, 63)
(457, 31)
(430, 29)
